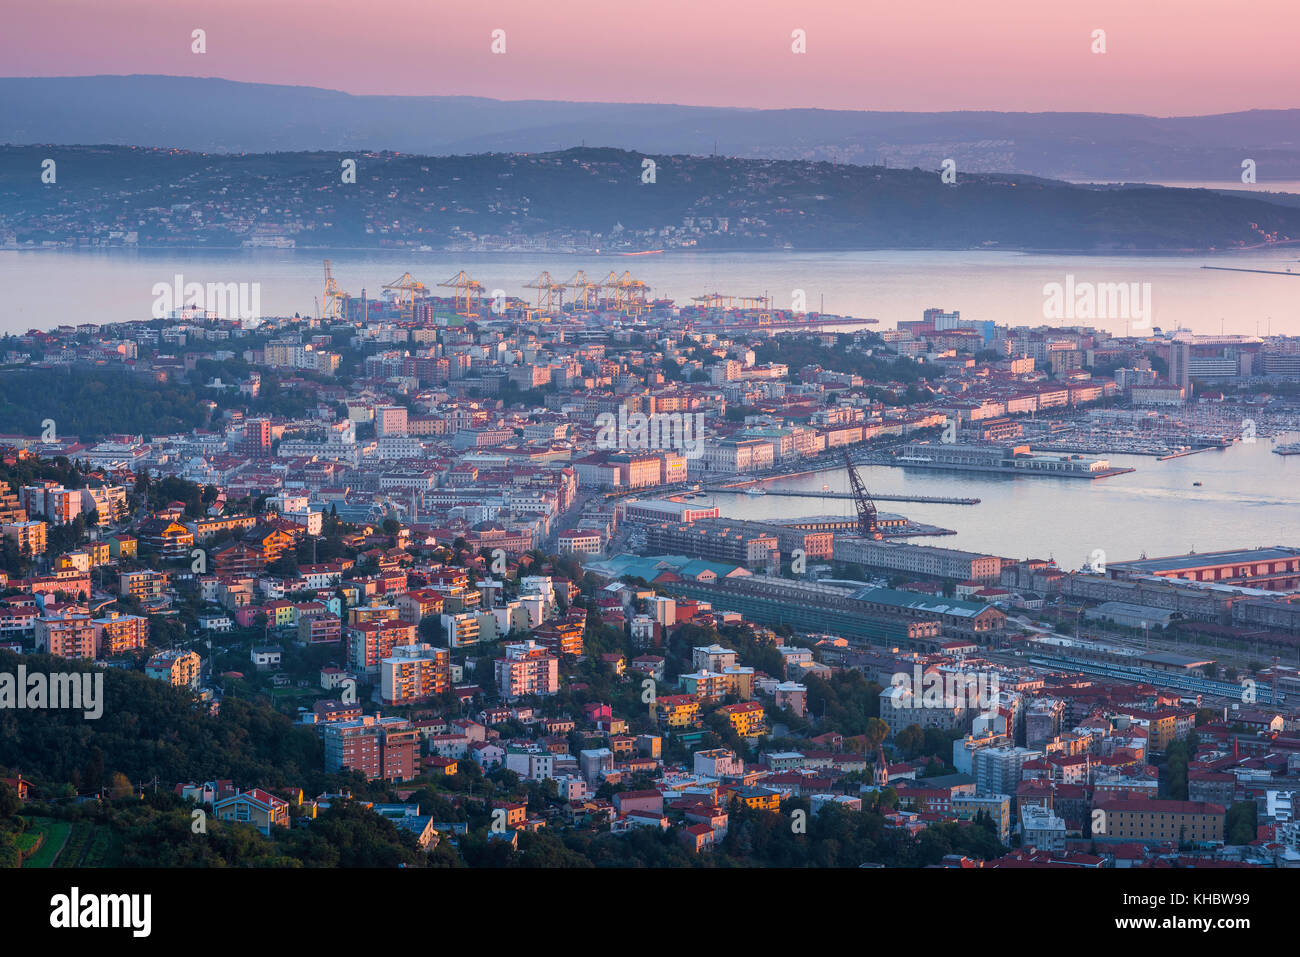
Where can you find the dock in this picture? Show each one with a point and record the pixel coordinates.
(917, 499)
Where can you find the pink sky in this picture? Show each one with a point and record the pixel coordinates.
(1166, 57)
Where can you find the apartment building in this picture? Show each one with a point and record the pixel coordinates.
(28, 537)
(119, 633)
(142, 585)
(372, 642)
(414, 673)
(527, 669)
(380, 748)
(180, 669)
(461, 630)
(68, 636)
(718, 540)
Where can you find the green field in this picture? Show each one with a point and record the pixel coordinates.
(55, 834)
(68, 844)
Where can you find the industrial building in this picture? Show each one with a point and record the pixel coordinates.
(719, 540)
(1276, 568)
(809, 606)
(926, 560)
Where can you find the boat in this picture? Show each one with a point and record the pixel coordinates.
(754, 490)
(1197, 484)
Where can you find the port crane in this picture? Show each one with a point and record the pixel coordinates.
(468, 291)
(625, 293)
(585, 291)
(867, 522)
(550, 294)
(407, 288)
(716, 300)
(336, 300)
(635, 292)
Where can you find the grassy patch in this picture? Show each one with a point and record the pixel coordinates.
(55, 834)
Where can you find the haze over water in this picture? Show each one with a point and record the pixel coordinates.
(47, 288)
(1249, 496)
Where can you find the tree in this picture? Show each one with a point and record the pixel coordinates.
(9, 803)
(875, 733)
(911, 740)
(1241, 824)
(119, 787)
(286, 566)
(431, 630)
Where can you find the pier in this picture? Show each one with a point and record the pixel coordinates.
(919, 499)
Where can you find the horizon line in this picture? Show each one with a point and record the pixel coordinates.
(635, 103)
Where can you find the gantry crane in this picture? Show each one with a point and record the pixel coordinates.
(868, 526)
(336, 300)
(468, 291)
(549, 292)
(610, 296)
(712, 300)
(625, 293)
(634, 294)
(585, 291)
(407, 288)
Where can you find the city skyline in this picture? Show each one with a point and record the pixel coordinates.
(883, 463)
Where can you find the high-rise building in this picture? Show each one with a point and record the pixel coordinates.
(257, 437)
(1180, 354)
(414, 673)
(527, 669)
(119, 633)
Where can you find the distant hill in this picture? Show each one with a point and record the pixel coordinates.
(213, 115)
(596, 198)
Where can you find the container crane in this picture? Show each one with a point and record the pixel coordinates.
(468, 292)
(407, 288)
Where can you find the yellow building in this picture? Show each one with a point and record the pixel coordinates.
(678, 711)
(28, 536)
(98, 552)
(748, 718)
(281, 614)
(761, 799)
(178, 668)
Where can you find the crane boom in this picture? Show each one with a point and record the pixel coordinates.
(867, 524)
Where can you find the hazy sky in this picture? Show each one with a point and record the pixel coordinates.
(1168, 57)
